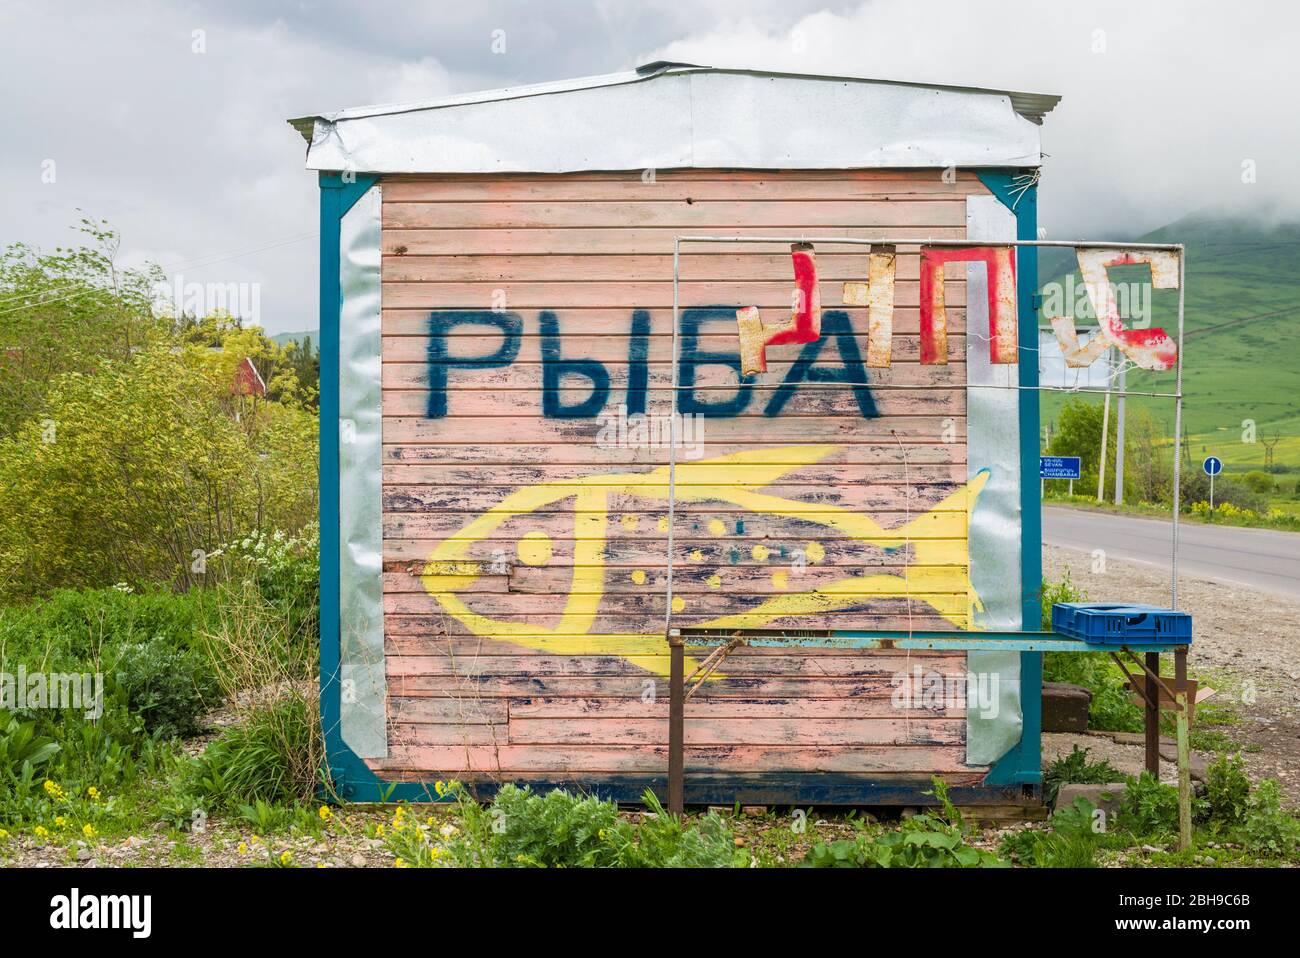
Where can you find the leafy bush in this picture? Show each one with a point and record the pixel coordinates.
(922, 841)
(1054, 592)
(524, 829)
(148, 468)
(286, 573)
(1268, 829)
(664, 840)
(1072, 840)
(1075, 769)
(1227, 492)
(168, 687)
(1257, 481)
(274, 755)
(1227, 790)
(1150, 808)
(21, 746)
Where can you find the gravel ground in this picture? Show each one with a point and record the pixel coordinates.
(1245, 645)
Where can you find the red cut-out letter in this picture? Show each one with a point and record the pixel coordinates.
(805, 316)
(1000, 263)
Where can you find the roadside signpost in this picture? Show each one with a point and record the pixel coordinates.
(1212, 465)
(1059, 467)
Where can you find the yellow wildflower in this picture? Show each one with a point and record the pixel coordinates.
(286, 856)
(429, 821)
(3, 834)
(379, 830)
(243, 848)
(398, 863)
(40, 831)
(93, 792)
(256, 838)
(325, 813)
(441, 788)
(88, 830)
(60, 820)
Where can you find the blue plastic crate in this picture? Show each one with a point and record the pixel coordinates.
(1114, 624)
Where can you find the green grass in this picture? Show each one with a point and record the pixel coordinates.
(1235, 270)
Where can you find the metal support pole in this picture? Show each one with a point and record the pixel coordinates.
(1122, 379)
(1183, 717)
(676, 724)
(1152, 715)
(1101, 465)
(1178, 428)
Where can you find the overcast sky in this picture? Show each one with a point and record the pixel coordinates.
(178, 138)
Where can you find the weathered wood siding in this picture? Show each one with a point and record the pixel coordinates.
(533, 648)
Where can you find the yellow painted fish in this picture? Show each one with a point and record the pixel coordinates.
(449, 572)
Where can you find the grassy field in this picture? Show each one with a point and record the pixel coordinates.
(1242, 300)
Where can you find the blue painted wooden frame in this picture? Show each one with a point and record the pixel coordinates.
(1023, 763)
(352, 778)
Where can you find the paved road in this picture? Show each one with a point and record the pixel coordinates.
(1260, 558)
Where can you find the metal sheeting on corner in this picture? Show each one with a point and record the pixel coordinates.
(994, 722)
(684, 117)
(361, 612)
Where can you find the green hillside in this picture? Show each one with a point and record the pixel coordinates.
(1242, 301)
(284, 339)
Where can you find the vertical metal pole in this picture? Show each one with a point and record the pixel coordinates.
(676, 661)
(1122, 379)
(1183, 717)
(1178, 425)
(676, 724)
(1105, 429)
(1152, 716)
(672, 439)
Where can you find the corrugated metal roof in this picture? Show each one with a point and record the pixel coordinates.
(453, 136)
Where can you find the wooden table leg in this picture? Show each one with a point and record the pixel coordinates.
(1183, 716)
(1153, 716)
(676, 725)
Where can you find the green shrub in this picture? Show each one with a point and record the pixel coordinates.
(524, 829)
(1227, 790)
(1257, 481)
(1075, 769)
(664, 840)
(1150, 808)
(168, 687)
(928, 840)
(69, 629)
(20, 745)
(1071, 841)
(274, 755)
(1268, 829)
(1054, 592)
(286, 572)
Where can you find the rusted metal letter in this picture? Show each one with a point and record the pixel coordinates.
(877, 294)
(805, 323)
(1148, 348)
(1001, 266)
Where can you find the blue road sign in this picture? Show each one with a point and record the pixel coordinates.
(1059, 467)
(1212, 465)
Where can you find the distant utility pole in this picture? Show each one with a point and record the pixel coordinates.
(1268, 448)
(1119, 432)
(1105, 430)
